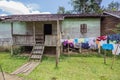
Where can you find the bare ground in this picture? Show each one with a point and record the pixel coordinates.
(10, 77)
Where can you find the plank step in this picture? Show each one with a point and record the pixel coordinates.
(36, 57)
(37, 51)
(38, 47)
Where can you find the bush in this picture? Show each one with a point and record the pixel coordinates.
(18, 50)
(5, 48)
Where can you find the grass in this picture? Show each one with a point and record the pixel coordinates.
(72, 67)
(77, 67)
(11, 63)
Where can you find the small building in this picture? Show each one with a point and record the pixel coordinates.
(44, 31)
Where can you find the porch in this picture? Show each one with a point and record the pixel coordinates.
(32, 31)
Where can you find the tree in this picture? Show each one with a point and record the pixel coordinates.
(61, 10)
(113, 6)
(117, 29)
(86, 6)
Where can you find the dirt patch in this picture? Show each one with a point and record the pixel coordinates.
(10, 77)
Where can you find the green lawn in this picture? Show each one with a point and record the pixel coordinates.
(10, 63)
(77, 67)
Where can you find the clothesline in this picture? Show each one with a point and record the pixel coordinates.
(108, 42)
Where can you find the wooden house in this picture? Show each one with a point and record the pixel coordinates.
(110, 22)
(44, 31)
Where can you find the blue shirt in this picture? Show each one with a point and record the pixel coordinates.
(107, 46)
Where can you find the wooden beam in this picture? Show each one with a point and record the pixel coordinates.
(11, 38)
(12, 28)
(34, 32)
(58, 43)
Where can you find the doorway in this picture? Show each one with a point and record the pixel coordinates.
(47, 29)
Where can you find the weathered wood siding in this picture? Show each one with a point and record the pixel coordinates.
(19, 28)
(5, 30)
(22, 29)
(108, 25)
(39, 27)
(24, 40)
(71, 27)
(50, 40)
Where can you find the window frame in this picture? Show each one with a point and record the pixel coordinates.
(83, 28)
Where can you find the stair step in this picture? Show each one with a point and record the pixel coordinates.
(39, 41)
(38, 48)
(39, 44)
(35, 52)
(39, 34)
(36, 56)
(39, 37)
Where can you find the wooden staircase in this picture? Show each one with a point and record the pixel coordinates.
(38, 48)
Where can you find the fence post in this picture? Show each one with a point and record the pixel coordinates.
(2, 73)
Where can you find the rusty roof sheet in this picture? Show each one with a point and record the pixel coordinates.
(113, 13)
(45, 17)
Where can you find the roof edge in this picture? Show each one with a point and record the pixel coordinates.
(111, 14)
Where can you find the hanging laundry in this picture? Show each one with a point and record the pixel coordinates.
(92, 43)
(78, 45)
(98, 43)
(114, 37)
(75, 40)
(85, 45)
(70, 40)
(81, 40)
(71, 45)
(107, 46)
(86, 40)
(65, 43)
(115, 47)
(103, 42)
(102, 38)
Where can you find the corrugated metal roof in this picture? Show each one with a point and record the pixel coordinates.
(45, 17)
(113, 13)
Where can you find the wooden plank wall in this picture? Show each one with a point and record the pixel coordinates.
(71, 27)
(108, 25)
(50, 40)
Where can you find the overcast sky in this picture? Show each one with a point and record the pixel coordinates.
(36, 6)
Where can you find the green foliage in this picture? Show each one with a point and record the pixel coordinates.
(117, 29)
(18, 50)
(113, 6)
(5, 48)
(61, 10)
(86, 6)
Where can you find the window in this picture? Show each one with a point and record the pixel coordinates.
(83, 28)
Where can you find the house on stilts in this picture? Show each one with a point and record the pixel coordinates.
(43, 32)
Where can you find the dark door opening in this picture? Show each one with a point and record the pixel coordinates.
(47, 29)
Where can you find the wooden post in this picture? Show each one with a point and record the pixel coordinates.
(105, 57)
(11, 38)
(114, 56)
(99, 50)
(34, 32)
(2, 73)
(80, 48)
(58, 43)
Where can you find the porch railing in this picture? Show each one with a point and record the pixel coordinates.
(26, 40)
(50, 40)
